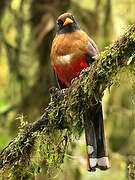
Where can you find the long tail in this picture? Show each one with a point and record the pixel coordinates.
(95, 139)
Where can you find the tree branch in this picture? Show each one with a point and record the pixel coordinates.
(64, 114)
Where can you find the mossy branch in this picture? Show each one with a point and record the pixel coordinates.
(64, 114)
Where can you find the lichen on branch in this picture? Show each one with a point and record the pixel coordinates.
(48, 137)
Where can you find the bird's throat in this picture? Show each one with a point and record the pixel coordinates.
(68, 29)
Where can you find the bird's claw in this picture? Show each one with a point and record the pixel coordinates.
(85, 70)
(73, 80)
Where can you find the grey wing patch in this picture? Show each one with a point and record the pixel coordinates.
(92, 50)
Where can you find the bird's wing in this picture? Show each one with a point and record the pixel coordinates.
(92, 51)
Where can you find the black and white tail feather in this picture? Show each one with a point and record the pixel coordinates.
(95, 139)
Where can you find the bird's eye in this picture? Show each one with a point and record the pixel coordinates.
(73, 18)
(60, 22)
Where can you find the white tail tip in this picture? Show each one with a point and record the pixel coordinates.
(101, 163)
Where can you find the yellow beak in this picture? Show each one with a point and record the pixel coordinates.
(67, 21)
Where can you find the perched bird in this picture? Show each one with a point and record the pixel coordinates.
(72, 51)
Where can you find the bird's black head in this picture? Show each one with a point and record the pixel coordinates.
(66, 24)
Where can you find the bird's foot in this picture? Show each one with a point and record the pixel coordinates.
(85, 71)
(73, 80)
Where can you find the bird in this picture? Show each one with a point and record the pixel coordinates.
(72, 51)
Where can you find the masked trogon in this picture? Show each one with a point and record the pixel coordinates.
(72, 51)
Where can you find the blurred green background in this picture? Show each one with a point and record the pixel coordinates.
(26, 32)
